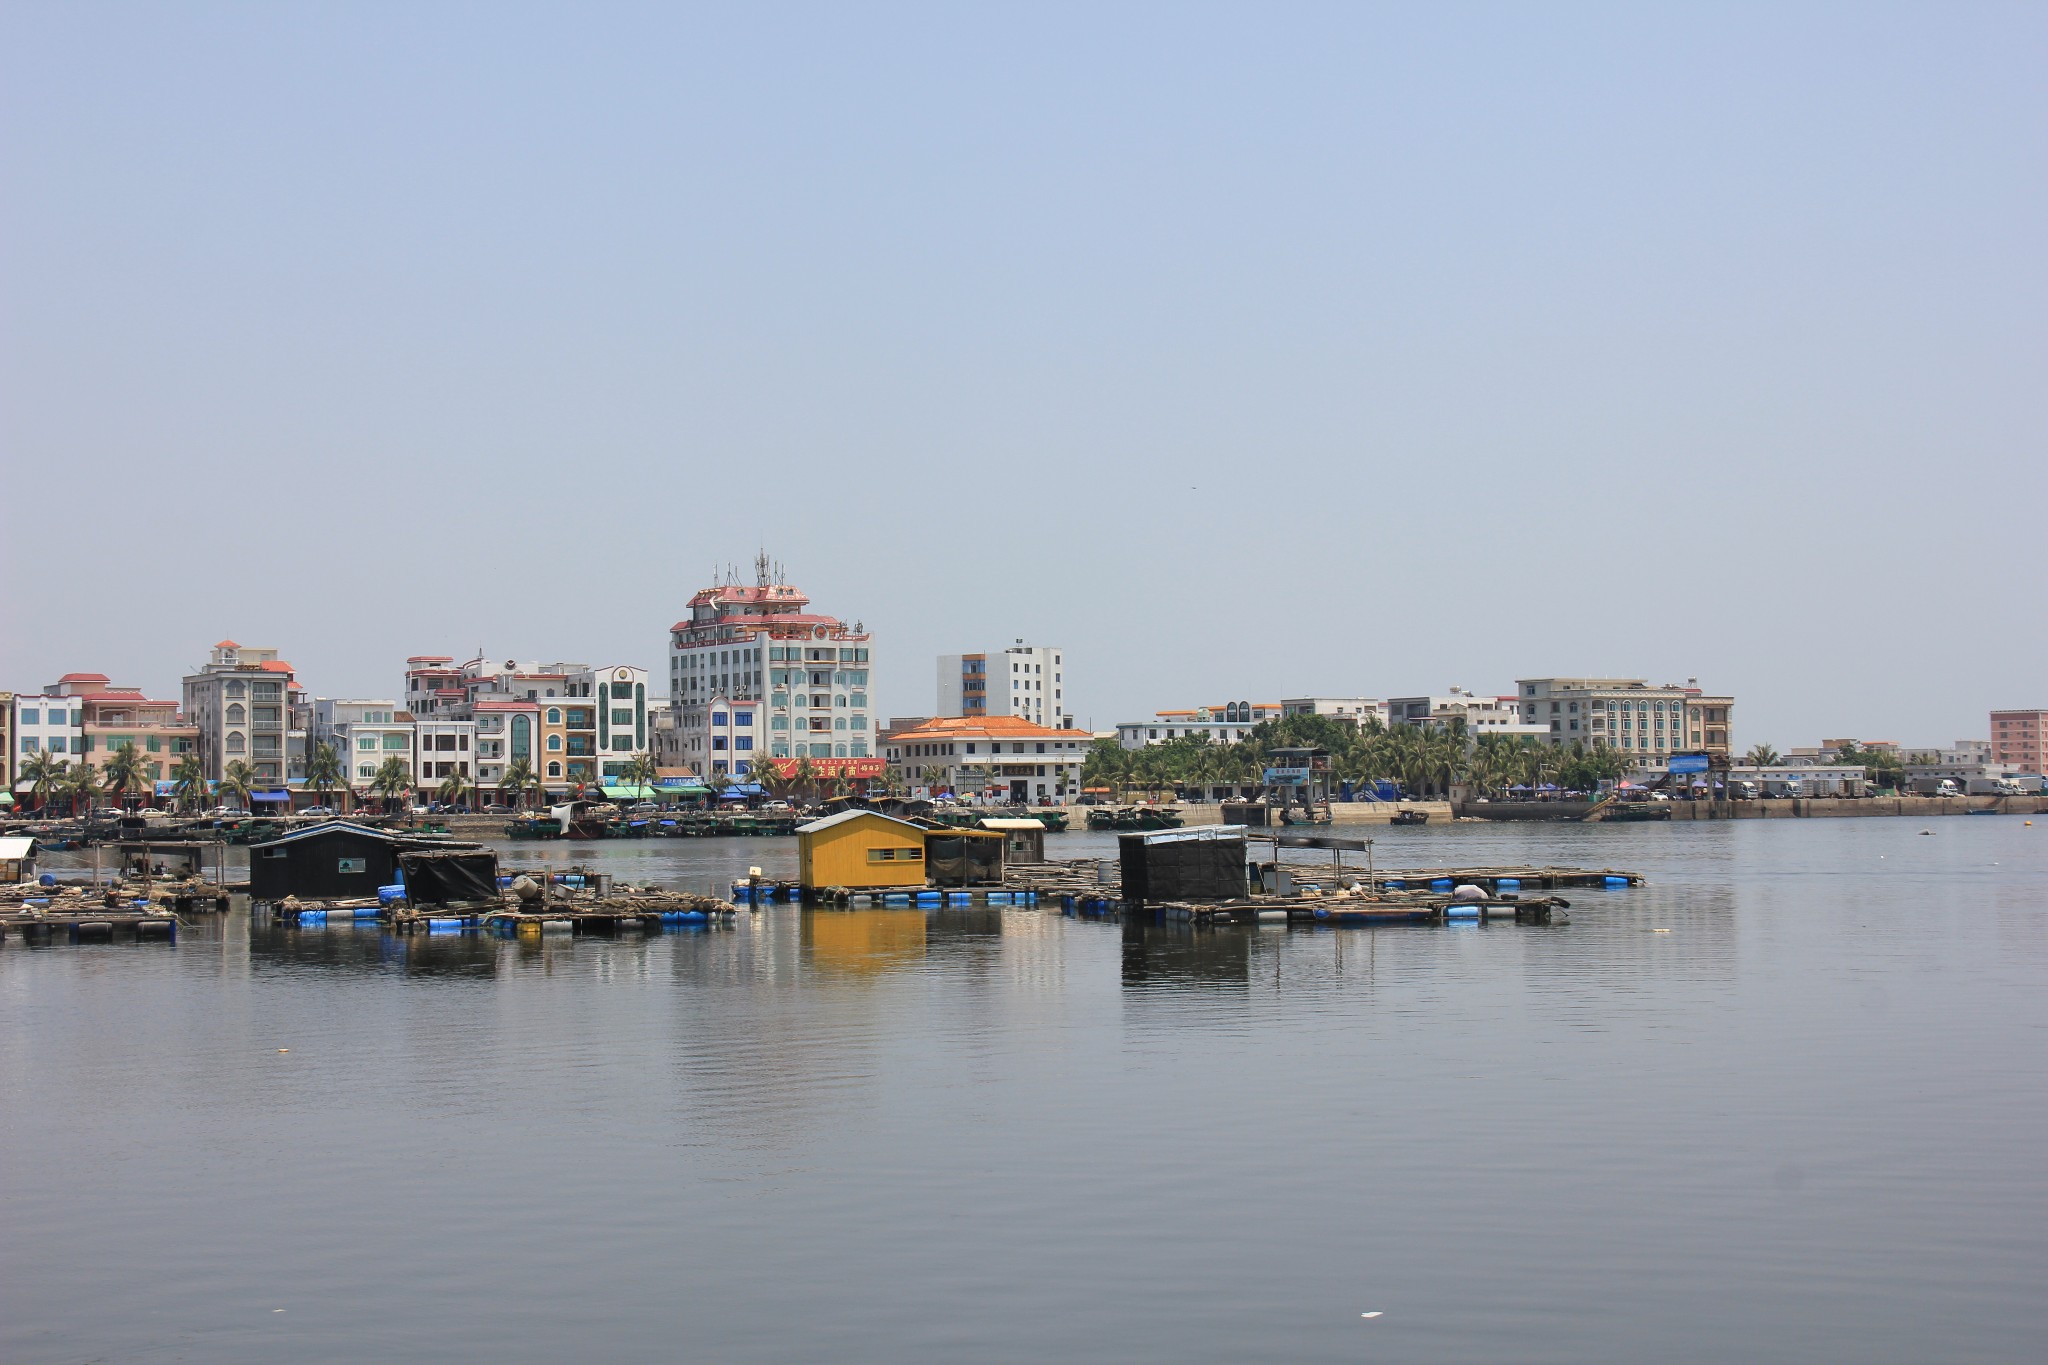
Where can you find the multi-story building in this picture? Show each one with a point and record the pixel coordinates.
(117, 716)
(1028, 681)
(442, 748)
(86, 718)
(241, 702)
(1628, 713)
(1353, 711)
(2020, 738)
(1482, 715)
(1224, 724)
(364, 733)
(1005, 757)
(53, 723)
(521, 710)
(755, 677)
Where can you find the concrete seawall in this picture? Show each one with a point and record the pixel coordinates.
(1795, 808)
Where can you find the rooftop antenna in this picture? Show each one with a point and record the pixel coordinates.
(761, 568)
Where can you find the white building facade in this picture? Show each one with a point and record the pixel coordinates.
(756, 679)
(1025, 681)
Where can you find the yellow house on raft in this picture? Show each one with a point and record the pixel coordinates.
(861, 851)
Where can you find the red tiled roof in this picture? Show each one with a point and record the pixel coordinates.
(993, 727)
(275, 666)
(227, 644)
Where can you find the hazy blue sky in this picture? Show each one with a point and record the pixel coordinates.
(1244, 351)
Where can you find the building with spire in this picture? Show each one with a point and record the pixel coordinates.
(758, 680)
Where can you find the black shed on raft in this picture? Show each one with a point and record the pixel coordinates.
(1204, 862)
(334, 861)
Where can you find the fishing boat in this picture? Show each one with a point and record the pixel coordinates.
(1410, 817)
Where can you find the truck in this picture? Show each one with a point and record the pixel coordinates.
(1995, 786)
(1935, 786)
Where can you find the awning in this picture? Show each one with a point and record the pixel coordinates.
(743, 790)
(6, 798)
(279, 795)
(627, 793)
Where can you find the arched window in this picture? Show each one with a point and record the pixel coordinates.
(236, 744)
(522, 742)
(839, 722)
(554, 770)
(554, 714)
(234, 689)
(839, 751)
(554, 744)
(236, 716)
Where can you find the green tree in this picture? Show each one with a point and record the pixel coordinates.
(323, 770)
(237, 780)
(126, 771)
(44, 772)
(642, 771)
(518, 778)
(1761, 756)
(454, 788)
(81, 784)
(393, 779)
(188, 782)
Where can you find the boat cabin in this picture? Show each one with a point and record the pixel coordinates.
(336, 860)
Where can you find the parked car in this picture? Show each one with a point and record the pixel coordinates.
(495, 809)
(642, 808)
(317, 810)
(225, 812)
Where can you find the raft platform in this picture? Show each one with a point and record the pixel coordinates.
(88, 926)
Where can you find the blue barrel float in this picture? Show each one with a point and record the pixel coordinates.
(1615, 881)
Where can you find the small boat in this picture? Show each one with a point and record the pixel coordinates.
(1410, 817)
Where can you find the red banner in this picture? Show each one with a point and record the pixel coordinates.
(829, 767)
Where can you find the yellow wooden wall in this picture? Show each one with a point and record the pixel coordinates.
(839, 856)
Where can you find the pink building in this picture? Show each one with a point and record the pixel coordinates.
(2020, 738)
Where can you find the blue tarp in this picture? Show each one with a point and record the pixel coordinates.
(270, 796)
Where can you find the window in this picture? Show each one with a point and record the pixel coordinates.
(554, 770)
(860, 701)
(718, 741)
(235, 743)
(236, 715)
(743, 718)
(30, 744)
(622, 715)
(718, 717)
(744, 742)
(554, 747)
(398, 742)
(30, 716)
(895, 855)
(366, 770)
(554, 715)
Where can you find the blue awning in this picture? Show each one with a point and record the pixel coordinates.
(742, 790)
(270, 796)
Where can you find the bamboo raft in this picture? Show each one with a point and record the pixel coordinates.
(71, 915)
(628, 909)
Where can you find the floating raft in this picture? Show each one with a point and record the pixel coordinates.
(1361, 911)
(32, 925)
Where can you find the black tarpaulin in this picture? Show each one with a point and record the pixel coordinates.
(962, 859)
(449, 878)
(1174, 867)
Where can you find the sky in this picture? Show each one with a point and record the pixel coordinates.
(1242, 351)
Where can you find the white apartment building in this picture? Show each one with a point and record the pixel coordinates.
(364, 733)
(755, 677)
(1482, 715)
(1353, 711)
(442, 748)
(618, 712)
(1026, 681)
(1225, 724)
(48, 725)
(1628, 713)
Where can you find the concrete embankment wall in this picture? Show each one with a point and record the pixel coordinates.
(1830, 807)
(1798, 808)
(1341, 813)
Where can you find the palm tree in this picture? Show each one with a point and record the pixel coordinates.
(643, 771)
(1761, 756)
(80, 784)
(323, 770)
(237, 779)
(125, 771)
(519, 777)
(453, 788)
(188, 781)
(804, 776)
(44, 772)
(393, 777)
(931, 778)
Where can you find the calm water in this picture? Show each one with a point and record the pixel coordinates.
(1806, 1123)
